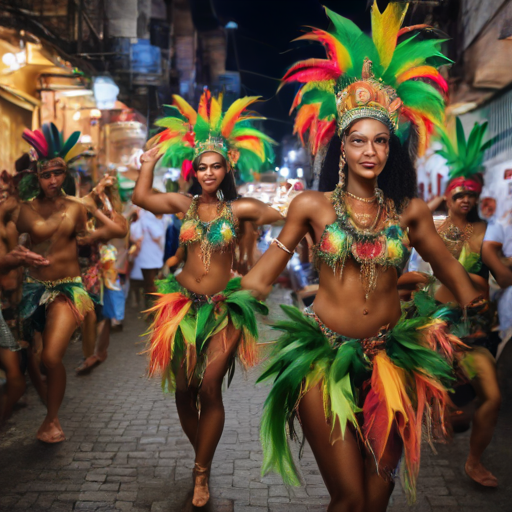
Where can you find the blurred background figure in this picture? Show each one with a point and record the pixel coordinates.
(150, 258)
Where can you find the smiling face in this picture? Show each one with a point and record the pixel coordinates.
(211, 170)
(51, 181)
(461, 203)
(366, 145)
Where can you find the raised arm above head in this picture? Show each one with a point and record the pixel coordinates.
(261, 277)
(156, 202)
(425, 239)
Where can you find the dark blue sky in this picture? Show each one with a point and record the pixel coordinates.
(263, 43)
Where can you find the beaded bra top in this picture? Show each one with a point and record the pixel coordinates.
(217, 235)
(387, 247)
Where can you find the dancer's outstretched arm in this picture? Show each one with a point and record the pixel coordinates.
(261, 277)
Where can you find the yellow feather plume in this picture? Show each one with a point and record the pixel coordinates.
(233, 114)
(385, 27)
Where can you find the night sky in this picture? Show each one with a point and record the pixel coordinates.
(264, 44)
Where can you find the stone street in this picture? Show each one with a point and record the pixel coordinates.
(125, 450)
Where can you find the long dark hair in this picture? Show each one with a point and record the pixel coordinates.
(228, 185)
(397, 180)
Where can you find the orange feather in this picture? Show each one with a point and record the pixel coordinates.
(334, 49)
(170, 309)
(185, 108)
(429, 72)
(204, 105)
(232, 116)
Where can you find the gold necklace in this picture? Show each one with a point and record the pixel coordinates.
(364, 220)
(362, 199)
(453, 237)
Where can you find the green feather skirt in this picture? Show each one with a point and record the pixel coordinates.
(393, 383)
(184, 322)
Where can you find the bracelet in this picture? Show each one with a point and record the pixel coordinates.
(280, 244)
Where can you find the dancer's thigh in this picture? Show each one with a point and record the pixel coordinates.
(341, 462)
(60, 325)
(10, 362)
(486, 381)
(221, 349)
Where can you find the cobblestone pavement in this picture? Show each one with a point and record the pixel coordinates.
(126, 451)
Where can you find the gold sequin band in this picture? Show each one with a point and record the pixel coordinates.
(280, 244)
(52, 284)
(380, 114)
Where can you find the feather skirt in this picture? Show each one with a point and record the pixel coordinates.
(184, 322)
(37, 295)
(394, 383)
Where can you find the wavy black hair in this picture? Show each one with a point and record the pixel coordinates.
(228, 185)
(397, 180)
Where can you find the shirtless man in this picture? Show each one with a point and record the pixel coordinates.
(12, 257)
(54, 299)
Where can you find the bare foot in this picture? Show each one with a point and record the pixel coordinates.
(480, 475)
(51, 432)
(87, 365)
(201, 491)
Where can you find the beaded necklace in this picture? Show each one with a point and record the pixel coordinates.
(453, 237)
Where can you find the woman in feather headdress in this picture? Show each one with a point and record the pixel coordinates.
(462, 232)
(54, 299)
(202, 318)
(362, 378)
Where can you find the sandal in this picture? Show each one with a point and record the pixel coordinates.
(201, 490)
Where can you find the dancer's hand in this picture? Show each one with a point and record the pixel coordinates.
(87, 238)
(151, 156)
(21, 256)
(106, 181)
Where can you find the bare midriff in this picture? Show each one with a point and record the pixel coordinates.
(341, 305)
(193, 276)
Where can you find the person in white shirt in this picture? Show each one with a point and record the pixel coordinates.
(151, 255)
(497, 255)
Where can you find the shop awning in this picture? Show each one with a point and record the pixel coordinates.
(19, 98)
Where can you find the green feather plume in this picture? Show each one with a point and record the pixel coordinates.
(465, 157)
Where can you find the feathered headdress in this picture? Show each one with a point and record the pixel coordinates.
(51, 153)
(188, 133)
(464, 158)
(397, 83)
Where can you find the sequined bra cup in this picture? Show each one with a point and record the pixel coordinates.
(388, 247)
(217, 235)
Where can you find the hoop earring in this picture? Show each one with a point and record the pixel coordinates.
(341, 173)
(220, 195)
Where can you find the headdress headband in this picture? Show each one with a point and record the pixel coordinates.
(51, 152)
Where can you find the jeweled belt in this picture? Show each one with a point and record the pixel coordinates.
(369, 345)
